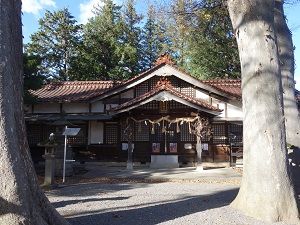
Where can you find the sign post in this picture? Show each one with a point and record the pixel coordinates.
(66, 133)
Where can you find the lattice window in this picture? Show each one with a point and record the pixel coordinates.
(150, 105)
(175, 83)
(47, 130)
(158, 136)
(219, 133)
(185, 135)
(206, 138)
(80, 138)
(172, 135)
(141, 132)
(177, 105)
(34, 134)
(111, 133)
(235, 133)
(188, 90)
(141, 89)
(153, 81)
(122, 128)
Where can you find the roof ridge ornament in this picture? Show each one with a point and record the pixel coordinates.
(163, 82)
(164, 58)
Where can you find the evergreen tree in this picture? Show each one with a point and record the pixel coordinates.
(132, 37)
(202, 40)
(32, 78)
(213, 49)
(55, 43)
(154, 40)
(180, 30)
(103, 52)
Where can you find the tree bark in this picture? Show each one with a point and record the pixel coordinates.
(291, 112)
(266, 191)
(21, 199)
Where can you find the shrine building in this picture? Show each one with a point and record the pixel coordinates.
(161, 105)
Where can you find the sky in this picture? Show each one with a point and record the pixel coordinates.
(83, 10)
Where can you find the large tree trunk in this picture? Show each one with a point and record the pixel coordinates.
(291, 112)
(266, 191)
(21, 199)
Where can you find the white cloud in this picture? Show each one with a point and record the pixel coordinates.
(35, 6)
(48, 2)
(87, 10)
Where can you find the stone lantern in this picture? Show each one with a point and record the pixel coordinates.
(49, 156)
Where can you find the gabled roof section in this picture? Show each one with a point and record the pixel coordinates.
(72, 91)
(165, 69)
(165, 91)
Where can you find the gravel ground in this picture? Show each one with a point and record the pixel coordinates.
(149, 204)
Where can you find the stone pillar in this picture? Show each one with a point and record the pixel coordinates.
(49, 157)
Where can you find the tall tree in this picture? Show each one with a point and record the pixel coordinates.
(32, 78)
(102, 53)
(202, 39)
(213, 48)
(132, 37)
(291, 112)
(21, 199)
(56, 43)
(180, 30)
(266, 191)
(153, 39)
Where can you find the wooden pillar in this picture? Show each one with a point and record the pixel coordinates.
(129, 159)
(199, 166)
(129, 135)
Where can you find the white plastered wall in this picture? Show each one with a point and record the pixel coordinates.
(229, 111)
(202, 95)
(96, 132)
(47, 108)
(234, 111)
(75, 108)
(128, 94)
(97, 107)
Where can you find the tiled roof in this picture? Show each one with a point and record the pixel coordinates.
(69, 91)
(228, 86)
(233, 87)
(170, 89)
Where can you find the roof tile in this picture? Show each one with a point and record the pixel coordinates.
(229, 86)
(72, 91)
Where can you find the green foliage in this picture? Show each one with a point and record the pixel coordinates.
(132, 37)
(32, 78)
(213, 48)
(202, 38)
(56, 43)
(154, 39)
(117, 43)
(103, 53)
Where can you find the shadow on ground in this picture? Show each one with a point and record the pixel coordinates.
(89, 200)
(158, 213)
